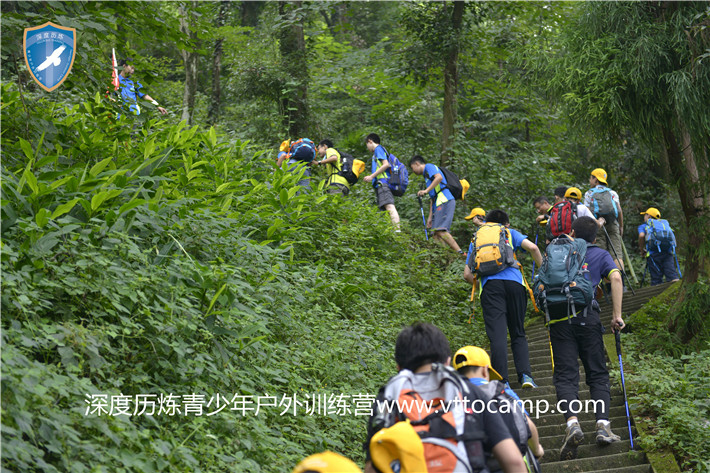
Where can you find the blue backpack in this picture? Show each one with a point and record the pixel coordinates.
(603, 204)
(302, 150)
(659, 235)
(399, 175)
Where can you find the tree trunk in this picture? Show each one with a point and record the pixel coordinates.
(294, 63)
(692, 178)
(451, 80)
(190, 61)
(215, 103)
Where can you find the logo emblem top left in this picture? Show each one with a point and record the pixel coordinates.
(49, 53)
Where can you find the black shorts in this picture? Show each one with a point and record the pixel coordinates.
(384, 196)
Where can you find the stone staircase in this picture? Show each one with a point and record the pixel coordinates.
(617, 457)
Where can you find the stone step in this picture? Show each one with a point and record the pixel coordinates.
(617, 398)
(552, 452)
(588, 427)
(555, 440)
(558, 419)
(645, 468)
(612, 462)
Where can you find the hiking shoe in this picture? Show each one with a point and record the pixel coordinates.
(528, 382)
(573, 437)
(605, 436)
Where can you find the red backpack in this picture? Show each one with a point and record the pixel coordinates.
(562, 214)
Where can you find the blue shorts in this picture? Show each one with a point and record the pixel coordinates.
(443, 215)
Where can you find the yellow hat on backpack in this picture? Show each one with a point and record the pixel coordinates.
(398, 444)
(574, 193)
(327, 462)
(465, 186)
(652, 212)
(358, 167)
(600, 174)
(475, 356)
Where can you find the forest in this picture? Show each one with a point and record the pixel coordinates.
(172, 301)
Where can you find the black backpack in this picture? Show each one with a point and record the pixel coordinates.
(346, 167)
(453, 183)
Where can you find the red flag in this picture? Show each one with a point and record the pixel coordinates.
(114, 78)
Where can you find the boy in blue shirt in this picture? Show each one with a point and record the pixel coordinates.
(442, 204)
(379, 176)
(503, 303)
(660, 260)
(581, 336)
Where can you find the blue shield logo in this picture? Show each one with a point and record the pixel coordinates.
(49, 53)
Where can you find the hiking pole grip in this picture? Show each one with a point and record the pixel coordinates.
(617, 337)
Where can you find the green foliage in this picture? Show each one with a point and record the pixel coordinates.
(669, 377)
(168, 260)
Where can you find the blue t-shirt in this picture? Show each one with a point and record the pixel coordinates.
(378, 159)
(130, 92)
(599, 264)
(511, 273)
(437, 194)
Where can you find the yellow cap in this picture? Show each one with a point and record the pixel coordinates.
(652, 212)
(475, 356)
(285, 144)
(574, 193)
(358, 167)
(327, 462)
(465, 186)
(476, 212)
(399, 443)
(600, 174)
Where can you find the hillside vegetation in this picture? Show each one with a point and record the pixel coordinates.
(180, 263)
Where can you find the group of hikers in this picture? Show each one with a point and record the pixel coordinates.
(583, 235)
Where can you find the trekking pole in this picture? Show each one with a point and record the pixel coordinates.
(617, 335)
(680, 275)
(421, 207)
(628, 262)
(537, 232)
(623, 273)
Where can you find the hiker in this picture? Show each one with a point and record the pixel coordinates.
(560, 194)
(335, 184)
(380, 167)
(442, 204)
(574, 195)
(542, 205)
(604, 204)
(131, 90)
(477, 216)
(657, 244)
(503, 293)
(580, 335)
(474, 364)
(300, 155)
(564, 212)
(326, 462)
(422, 353)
